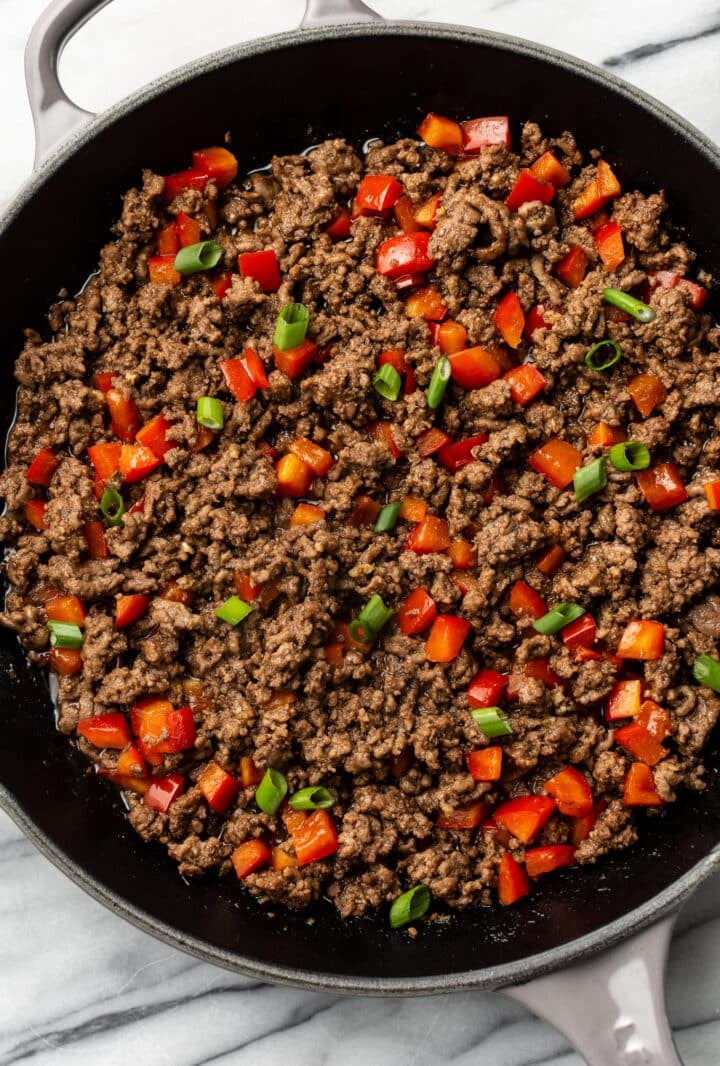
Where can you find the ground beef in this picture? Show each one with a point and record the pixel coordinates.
(381, 725)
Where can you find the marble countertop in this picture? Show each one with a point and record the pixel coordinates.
(78, 985)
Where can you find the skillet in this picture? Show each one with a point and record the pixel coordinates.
(72, 816)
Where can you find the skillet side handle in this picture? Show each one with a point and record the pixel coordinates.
(611, 1007)
(325, 12)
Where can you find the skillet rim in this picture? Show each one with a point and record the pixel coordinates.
(519, 971)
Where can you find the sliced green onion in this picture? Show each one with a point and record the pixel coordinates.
(65, 635)
(438, 382)
(630, 455)
(291, 326)
(388, 517)
(410, 906)
(210, 412)
(112, 506)
(492, 721)
(590, 479)
(387, 382)
(558, 618)
(603, 362)
(271, 791)
(314, 798)
(625, 302)
(706, 670)
(196, 257)
(370, 621)
(233, 610)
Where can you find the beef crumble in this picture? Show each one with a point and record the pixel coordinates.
(386, 730)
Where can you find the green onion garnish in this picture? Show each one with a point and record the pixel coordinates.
(196, 257)
(314, 798)
(210, 412)
(112, 506)
(630, 455)
(388, 517)
(589, 479)
(558, 618)
(271, 791)
(65, 635)
(625, 302)
(492, 721)
(233, 610)
(291, 326)
(706, 670)
(410, 906)
(387, 382)
(370, 621)
(438, 382)
(603, 362)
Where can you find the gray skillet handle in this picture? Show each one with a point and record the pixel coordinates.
(612, 1007)
(324, 12)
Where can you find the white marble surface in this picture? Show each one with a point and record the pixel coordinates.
(77, 985)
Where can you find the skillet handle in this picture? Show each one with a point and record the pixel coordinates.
(324, 12)
(611, 1007)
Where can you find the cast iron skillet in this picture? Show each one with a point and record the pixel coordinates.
(280, 95)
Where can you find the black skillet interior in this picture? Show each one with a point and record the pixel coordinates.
(277, 101)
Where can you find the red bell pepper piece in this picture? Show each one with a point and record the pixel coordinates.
(251, 856)
(431, 441)
(106, 730)
(624, 700)
(548, 167)
(581, 633)
(463, 554)
(161, 270)
(406, 254)
(496, 486)
(583, 827)
(509, 318)
(153, 435)
(124, 415)
(417, 612)
(218, 787)
(513, 883)
(526, 382)
(571, 268)
(460, 452)
(602, 435)
(129, 609)
(95, 536)
(478, 133)
(557, 461)
(525, 602)
(525, 816)
(712, 494)
(535, 319)
(661, 486)
(404, 212)
(383, 434)
(168, 243)
(603, 187)
(636, 739)
(639, 789)
(551, 560)
(451, 337)
(486, 688)
(409, 281)
(255, 368)
(647, 392)
(130, 771)
(105, 459)
(246, 587)
(446, 638)
(377, 193)
(426, 303)
(305, 514)
(263, 267)
(426, 213)
(163, 791)
(192, 178)
(430, 535)
(42, 468)
(609, 243)
(188, 229)
(104, 380)
(468, 817)
(218, 163)
(642, 639)
(238, 379)
(295, 361)
(364, 512)
(64, 608)
(317, 458)
(571, 791)
(656, 720)
(339, 229)
(250, 774)
(413, 509)
(222, 284)
(137, 461)
(443, 133)
(315, 837)
(34, 512)
(544, 860)
(472, 368)
(160, 728)
(528, 188)
(667, 279)
(294, 476)
(65, 661)
(485, 764)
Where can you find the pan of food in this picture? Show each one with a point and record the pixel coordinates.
(360, 531)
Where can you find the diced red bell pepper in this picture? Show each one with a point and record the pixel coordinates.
(175, 593)
(639, 789)
(496, 486)
(581, 633)
(250, 774)
(557, 460)
(317, 458)
(602, 435)
(34, 512)
(315, 838)
(642, 639)
(468, 817)
(486, 688)
(218, 163)
(137, 461)
(571, 268)
(667, 279)
(251, 856)
(463, 554)
(446, 638)
(406, 254)
(167, 242)
(95, 536)
(188, 229)
(364, 512)
(583, 827)
(535, 319)
(340, 227)
(42, 468)
(404, 212)
(597, 193)
(460, 452)
(609, 243)
(153, 435)
(426, 213)
(129, 609)
(478, 133)
(544, 860)
(105, 459)
(431, 441)
(509, 318)
(513, 883)
(472, 368)
(525, 816)
(712, 494)
(430, 535)
(161, 728)
(294, 476)
(106, 730)
(647, 392)
(540, 669)
(549, 168)
(305, 514)
(485, 764)
(526, 382)
(263, 267)
(383, 434)
(222, 284)
(255, 368)
(413, 509)
(525, 602)
(443, 133)
(130, 771)
(528, 188)
(624, 700)
(64, 608)
(451, 337)
(661, 486)
(571, 791)
(551, 560)
(66, 661)
(238, 379)
(192, 178)
(395, 358)
(426, 303)
(295, 361)
(636, 739)
(410, 281)
(698, 294)
(218, 787)
(246, 587)
(377, 193)
(656, 720)
(124, 415)
(104, 380)
(163, 791)
(417, 612)
(161, 270)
